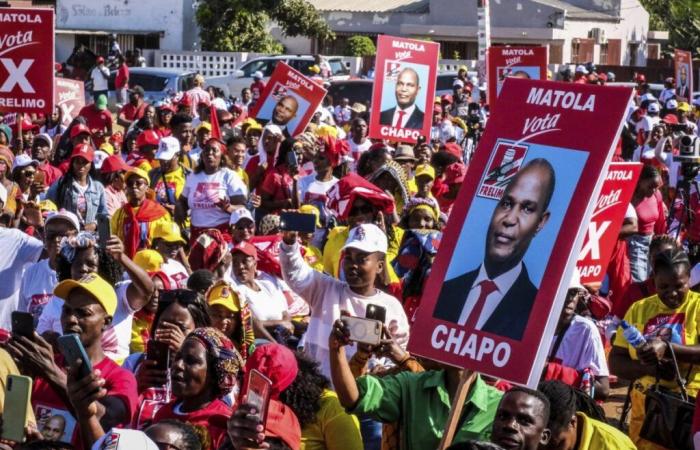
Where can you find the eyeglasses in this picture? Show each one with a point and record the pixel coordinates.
(136, 182)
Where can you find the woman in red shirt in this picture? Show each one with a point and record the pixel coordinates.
(651, 219)
(206, 368)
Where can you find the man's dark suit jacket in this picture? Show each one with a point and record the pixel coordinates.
(415, 121)
(510, 317)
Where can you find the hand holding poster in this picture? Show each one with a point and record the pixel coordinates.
(604, 227)
(70, 97)
(289, 100)
(26, 66)
(518, 62)
(508, 253)
(404, 83)
(683, 63)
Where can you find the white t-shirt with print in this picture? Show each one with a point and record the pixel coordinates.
(204, 191)
(311, 190)
(270, 303)
(176, 272)
(582, 348)
(18, 250)
(38, 283)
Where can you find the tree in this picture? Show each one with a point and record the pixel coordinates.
(242, 25)
(360, 46)
(680, 17)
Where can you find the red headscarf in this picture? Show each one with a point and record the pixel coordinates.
(334, 149)
(277, 363)
(135, 224)
(352, 186)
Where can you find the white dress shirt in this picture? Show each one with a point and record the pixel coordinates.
(407, 113)
(503, 282)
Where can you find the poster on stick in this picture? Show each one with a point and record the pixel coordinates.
(509, 250)
(404, 86)
(70, 97)
(683, 68)
(289, 100)
(27, 60)
(603, 229)
(519, 62)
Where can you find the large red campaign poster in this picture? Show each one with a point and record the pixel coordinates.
(404, 89)
(519, 62)
(70, 97)
(683, 65)
(26, 60)
(509, 250)
(606, 221)
(289, 100)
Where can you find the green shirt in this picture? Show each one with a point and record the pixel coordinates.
(421, 404)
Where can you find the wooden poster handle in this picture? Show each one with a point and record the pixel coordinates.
(465, 383)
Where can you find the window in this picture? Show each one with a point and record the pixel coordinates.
(266, 66)
(603, 54)
(148, 82)
(302, 65)
(338, 67)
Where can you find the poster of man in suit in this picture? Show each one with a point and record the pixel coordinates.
(683, 62)
(403, 88)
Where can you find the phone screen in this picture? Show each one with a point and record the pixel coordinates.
(22, 324)
(376, 312)
(293, 221)
(258, 393)
(103, 230)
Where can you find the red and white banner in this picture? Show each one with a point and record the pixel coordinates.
(510, 247)
(518, 62)
(26, 60)
(404, 89)
(606, 221)
(70, 97)
(683, 66)
(289, 100)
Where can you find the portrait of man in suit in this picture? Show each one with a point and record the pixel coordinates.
(682, 89)
(406, 113)
(285, 111)
(498, 295)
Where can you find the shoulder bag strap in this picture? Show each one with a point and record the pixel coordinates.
(557, 343)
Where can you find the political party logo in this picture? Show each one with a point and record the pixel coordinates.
(504, 164)
(391, 69)
(279, 91)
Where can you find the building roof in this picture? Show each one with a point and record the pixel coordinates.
(576, 12)
(374, 6)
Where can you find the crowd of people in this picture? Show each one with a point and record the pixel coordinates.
(156, 236)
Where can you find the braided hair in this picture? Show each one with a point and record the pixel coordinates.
(564, 402)
(662, 240)
(188, 439)
(670, 259)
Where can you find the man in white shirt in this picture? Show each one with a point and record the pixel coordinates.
(100, 78)
(343, 112)
(405, 114)
(497, 296)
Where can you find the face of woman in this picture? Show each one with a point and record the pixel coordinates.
(80, 167)
(211, 158)
(168, 249)
(190, 371)
(253, 139)
(420, 219)
(270, 142)
(83, 315)
(672, 285)
(152, 304)
(648, 187)
(321, 162)
(242, 230)
(223, 320)
(86, 261)
(243, 266)
(236, 154)
(136, 188)
(179, 316)
(26, 177)
(150, 112)
(165, 117)
(361, 212)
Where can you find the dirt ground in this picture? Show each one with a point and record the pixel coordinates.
(613, 406)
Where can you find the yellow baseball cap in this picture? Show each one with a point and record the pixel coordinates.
(438, 100)
(203, 126)
(47, 206)
(425, 169)
(107, 148)
(148, 260)
(169, 232)
(138, 172)
(326, 130)
(311, 209)
(683, 107)
(95, 285)
(222, 294)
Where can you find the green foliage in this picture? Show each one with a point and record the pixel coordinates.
(242, 25)
(681, 18)
(360, 46)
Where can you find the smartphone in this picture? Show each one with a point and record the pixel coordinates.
(365, 331)
(159, 352)
(14, 418)
(292, 160)
(294, 221)
(258, 394)
(103, 229)
(22, 324)
(376, 312)
(72, 349)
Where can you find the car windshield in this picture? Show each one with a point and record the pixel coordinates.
(444, 82)
(263, 65)
(338, 68)
(148, 82)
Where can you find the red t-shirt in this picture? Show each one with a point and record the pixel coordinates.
(650, 215)
(122, 78)
(97, 121)
(211, 419)
(51, 173)
(256, 89)
(120, 383)
(277, 183)
(132, 112)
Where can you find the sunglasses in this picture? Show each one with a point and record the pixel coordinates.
(136, 182)
(28, 173)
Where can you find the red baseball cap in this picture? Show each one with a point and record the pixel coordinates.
(84, 151)
(640, 78)
(670, 119)
(79, 129)
(100, 60)
(246, 248)
(114, 163)
(147, 137)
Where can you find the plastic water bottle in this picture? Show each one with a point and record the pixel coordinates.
(633, 336)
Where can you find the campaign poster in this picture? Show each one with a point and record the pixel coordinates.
(519, 62)
(404, 89)
(498, 284)
(603, 229)
(70, 97)
(683, 67)
(26, 60)
(289, 100)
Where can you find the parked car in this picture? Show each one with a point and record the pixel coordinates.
(233, 84)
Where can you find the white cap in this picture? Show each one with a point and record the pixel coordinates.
(23, 160)
(99, 158)
(124, 439)
(648, 96)
(238, 214)
(671, 104)
(168, 148)
(46, 138)
(457, 82)
(653, 107)
(65, 215)
(581, 69)
(257, 75)
(576, 280)
(3, 195)
(368, 238)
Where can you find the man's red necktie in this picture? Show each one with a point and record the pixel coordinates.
(487, 287)
(399, 121)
